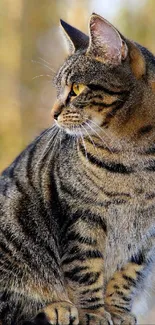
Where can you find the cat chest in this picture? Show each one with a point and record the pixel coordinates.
(119, 229)
(116, 210)
(124, 202)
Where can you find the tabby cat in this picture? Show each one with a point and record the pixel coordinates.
(77, 205)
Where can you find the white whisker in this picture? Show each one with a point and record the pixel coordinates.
(53, 145)
(89, 136)
(55, 141)
(50, 142)
(48, 63)
(94, 131)
(98, 127)
(60, 139)
(92, 141)
(74, 138)
(84, 145)
(45, 65)
(50, 129)
(42, 75)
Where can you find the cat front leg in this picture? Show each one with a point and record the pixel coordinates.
(85, 287)
(83, 267)
(121, 290)
(127, 283)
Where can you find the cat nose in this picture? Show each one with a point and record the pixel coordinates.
(56, 109)
(56, 114)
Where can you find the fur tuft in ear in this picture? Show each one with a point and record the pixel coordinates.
(75, 38)
(106, 44)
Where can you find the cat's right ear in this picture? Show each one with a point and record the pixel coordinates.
(75, 39)
(108, 46)
(106, 43)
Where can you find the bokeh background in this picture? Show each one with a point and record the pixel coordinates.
(31, 50)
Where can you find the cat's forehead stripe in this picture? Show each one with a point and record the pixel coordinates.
(67, 69)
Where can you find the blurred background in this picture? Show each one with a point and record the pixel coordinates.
(31, 50)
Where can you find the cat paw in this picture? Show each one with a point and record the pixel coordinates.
(93, 319)
(58, 313)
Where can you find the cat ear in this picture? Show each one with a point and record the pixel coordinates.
(74, 37)
(137, 60)
(106, 44)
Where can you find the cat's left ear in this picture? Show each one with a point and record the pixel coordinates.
(75, 39)
(106, 44)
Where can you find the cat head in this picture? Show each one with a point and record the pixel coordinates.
(101, 82)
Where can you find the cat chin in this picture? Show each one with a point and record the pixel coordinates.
(77, 131)
(87, 128)
(73, 130)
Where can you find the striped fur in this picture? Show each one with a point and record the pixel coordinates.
(78, 205)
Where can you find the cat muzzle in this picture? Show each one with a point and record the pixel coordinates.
(56, 109)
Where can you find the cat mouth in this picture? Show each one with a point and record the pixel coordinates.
(84, 127)
(72, 128)
(77, 123)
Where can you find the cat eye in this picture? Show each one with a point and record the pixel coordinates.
(77, 89)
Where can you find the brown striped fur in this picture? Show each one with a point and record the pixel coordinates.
(78, 205)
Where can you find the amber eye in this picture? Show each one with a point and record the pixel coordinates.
(78, 88)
